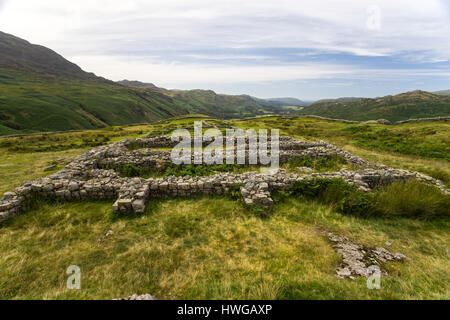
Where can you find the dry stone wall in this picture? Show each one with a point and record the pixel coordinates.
(87, 177)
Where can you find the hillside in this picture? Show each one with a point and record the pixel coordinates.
(343, 99)
(290, 101)
(221, 105)
(137, 84)
(213, 104)
(42, 91)
(409, 105)
(20, 55)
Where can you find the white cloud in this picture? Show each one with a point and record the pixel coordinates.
(197, 24)
(110, 37)
(167, 74)
(181, 74)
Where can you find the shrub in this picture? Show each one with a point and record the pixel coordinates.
(357, 204)
(330, 191)
(235, 191)
(260, 211)
(130, 170)
(411, 199)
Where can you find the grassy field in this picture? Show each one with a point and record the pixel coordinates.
(213, 247)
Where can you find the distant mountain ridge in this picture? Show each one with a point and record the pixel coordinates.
(136, 84)
(20, 55)
(288, 101)
(343, 99)
(404, 106)
(42, 91)
(208, 102)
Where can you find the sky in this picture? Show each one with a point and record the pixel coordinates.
(284, 48)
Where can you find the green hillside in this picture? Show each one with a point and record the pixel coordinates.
(410, 105)
(220, 105)
(210, 103)
(42, 91)
(19, 54)
(290, 101)
(31, 103)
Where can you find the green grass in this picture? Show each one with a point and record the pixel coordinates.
(411, 199)
(211, 248)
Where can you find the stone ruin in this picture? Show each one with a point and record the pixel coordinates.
(93, 176)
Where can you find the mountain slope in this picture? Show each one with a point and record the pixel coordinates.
(18, 54)
(220, 105)
(289, 101)
(137, 84)
(343, 99)
(409, 105)
(211, 103)
(42, 91)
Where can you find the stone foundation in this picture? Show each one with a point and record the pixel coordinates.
(86, 178)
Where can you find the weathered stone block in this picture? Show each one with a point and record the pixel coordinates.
(138, 205)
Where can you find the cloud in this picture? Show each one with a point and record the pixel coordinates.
(120, 67)
(179, 42)
(174, 73)
(197, 25)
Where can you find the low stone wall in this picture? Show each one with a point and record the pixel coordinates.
(119, 153)
(424, 120)
(377, 121)
(84, 179)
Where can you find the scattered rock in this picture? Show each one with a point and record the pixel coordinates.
(137, 297)
(53, 166)
(106, 235)
(360, 261)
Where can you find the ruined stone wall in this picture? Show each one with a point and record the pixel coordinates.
(424, 120)
(84, 178)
